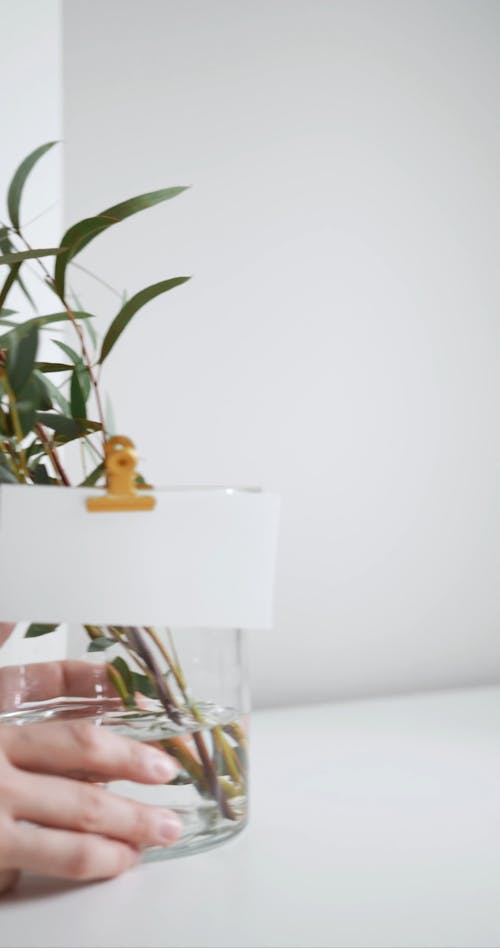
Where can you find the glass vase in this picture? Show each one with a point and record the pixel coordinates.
(183, 690)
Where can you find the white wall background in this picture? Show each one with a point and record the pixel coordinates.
(31, 111)
(340, 341)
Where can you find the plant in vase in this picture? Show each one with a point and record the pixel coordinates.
(44, 405)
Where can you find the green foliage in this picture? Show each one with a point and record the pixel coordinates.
(10, 258)
(100, 644)
(16, 186)
(130, 308)
(80, 234)
(20, 362)
(38, 415)
(46, 404)
(39, 628)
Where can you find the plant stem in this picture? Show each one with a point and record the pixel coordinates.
(16, 424)
(174, 668)
(216, 789)
(51, 453)
(12, 459)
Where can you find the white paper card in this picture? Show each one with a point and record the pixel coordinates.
(203, 557)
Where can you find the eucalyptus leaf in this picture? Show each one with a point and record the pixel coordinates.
(6, 246)
(16, 186)
(53, 367)
(21, 255)
(9, 282)
(41, 386)
(131, 307)
(74, 356)
(21, 358)
(39, 322)
(77, 397)
(143, 684)
(80, 234)
(26, 413)
(40, 475)
(100, 644)
(34, 394)
(124, 672)
(40, 628)
(53, 392)
(94, 476)
(67, 427)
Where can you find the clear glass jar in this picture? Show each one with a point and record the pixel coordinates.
(184, 690)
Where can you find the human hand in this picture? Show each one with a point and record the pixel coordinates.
(41, 681)
(82, 831)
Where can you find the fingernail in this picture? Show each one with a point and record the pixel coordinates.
(168, 826)
(161, 767)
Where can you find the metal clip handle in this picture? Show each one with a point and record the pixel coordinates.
(120, 461)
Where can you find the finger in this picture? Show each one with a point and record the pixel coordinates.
(67, 855)
(71, 805)
(8, 879)
(5, 630)
(40, 681)
(77, 746)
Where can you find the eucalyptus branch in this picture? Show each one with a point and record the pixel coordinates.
(51, 453)
(16, 424)
(71, 316)
(215, 786)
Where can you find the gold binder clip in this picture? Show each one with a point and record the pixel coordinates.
(120, 461)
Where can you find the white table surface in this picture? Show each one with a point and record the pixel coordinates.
(374, 823)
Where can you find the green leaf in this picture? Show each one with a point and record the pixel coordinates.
(18, 257)
(34, 450)
(142, 684)
(53, 367)
(53, 392)
(40, 385)
(67, 427)
(130, 308)
(18, 181)
(7, 312)
(74, 356)
(100, 644)
(80, 234)
(40, 628)
(40, 475)
(40, 322)
(6, 475)
(124, 671)
(21, 358)
(11, 279)
(6, 246)
(26, 414)
(94, 476)
(77, 397)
